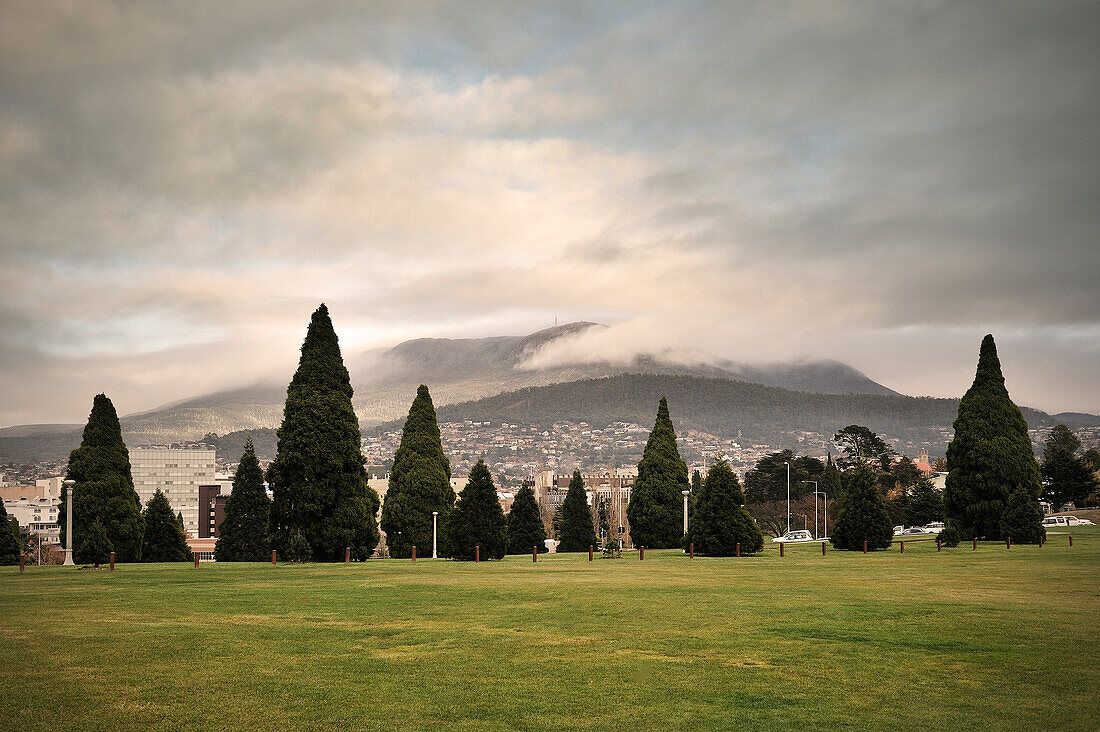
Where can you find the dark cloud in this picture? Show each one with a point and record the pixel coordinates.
(802, 179)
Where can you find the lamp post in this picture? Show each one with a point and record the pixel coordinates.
(69, 525)
(685, 511)
(815, 505)
(826, 511)
(435, 521)
(788, 496)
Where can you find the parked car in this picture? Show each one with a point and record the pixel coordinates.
(1074, 521)
(934, 528)
(1054, 521)
(898, 530)
(913, 531)
(794, 536)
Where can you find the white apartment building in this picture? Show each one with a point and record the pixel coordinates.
(36, 515)
(178, 473)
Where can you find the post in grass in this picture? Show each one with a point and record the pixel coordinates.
(738, 549)
(347, 555)
(939, 545)
(196, 560)
(903, 547)
(590, 552)
(1071, 539)
(864, 546)
(477, 553)
(641, 553)
(822, 548)
(691, 548)
(273, 558)
(414, 553)
(112, 561)
(975, 540)
(781, 544)
(1008, 542)
(20, 564)
(535, 554)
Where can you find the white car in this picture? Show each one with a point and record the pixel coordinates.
(1074, 521)
(934, 528)
(898, 530)
(792, 537)
(1066, 521)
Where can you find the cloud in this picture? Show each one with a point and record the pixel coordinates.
(760, 181)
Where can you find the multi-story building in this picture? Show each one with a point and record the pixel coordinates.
(36, 516)
(178, 473)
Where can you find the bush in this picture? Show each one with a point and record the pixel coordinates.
(1022, 520)
(298, 549)
(94, 547)
(949, 536)
(863, 516)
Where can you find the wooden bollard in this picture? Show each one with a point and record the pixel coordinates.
(822, 548)
(590, 552)
(347, 555)
(939, 545)
(1071, 539)
(691, 550)
(414, 553)
(903, 547)
(112, 561)
(975, 540)
(20, 564)
(535, 554)
(1008, 542)
(781, 545)
(738, 549)
(864, 546)
(477, 553)
(273, 558)
(641, 553)
(196, 560)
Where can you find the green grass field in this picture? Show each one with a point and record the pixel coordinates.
(991, 639)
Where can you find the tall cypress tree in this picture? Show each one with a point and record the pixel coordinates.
(164, 540)
(477, 519)
(577, 533)
(830, 482)
(420, 482)
(243, 533)
(863, 516)
(317, 478)
(525, 528)
(719, 523)
(104, 488)
(9, 545)
(655, 508)
(990, 454)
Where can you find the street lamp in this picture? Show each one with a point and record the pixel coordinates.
(826, 511)
(685, 511)
(435, 521)
(815, 505)
(788, 496)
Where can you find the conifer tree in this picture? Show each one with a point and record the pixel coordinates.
(925, 504)
(93, 546)
(317, 478)
(577, 533)
(1067, 476)
(420, 482)
(1022, 519)
(164, 540)
(831, 483)
(863, 515)
(104, 488)
(477, 519)
(525, 527)
(990, 454)
(9, 545)
(655, 508)
(719, 523)
(243, 533)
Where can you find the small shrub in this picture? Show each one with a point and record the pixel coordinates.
(949, 536)
(298, 549)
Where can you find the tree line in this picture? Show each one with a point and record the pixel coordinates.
(322, 504)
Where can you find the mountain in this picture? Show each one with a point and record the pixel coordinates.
(760, 414)
(457, 370)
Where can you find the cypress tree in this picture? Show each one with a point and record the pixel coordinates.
(831, 483)
(719, 523)
(1022, 519)
(420, 482)
(104, 488)
(317, 478)
(93, 546)
(1066, 475)
(242, 534)
(478, 519)
(863, 515)
(655, 506)
(525, 528)
(925, 504)
(577, 533)
(165, 540)
(990, 454)
(9, 545)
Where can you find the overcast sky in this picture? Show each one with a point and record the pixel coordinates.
(880, 183)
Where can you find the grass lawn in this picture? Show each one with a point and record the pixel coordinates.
(959, 639)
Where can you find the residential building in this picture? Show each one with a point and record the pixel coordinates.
(36, 516)
(178, 472)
